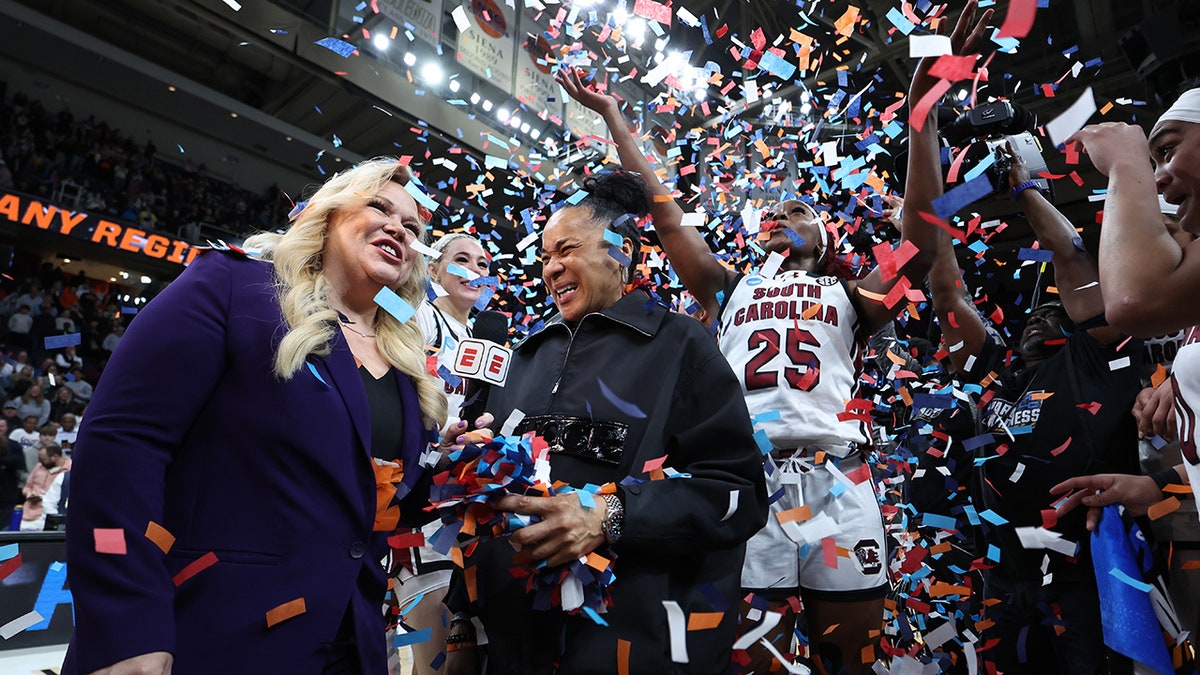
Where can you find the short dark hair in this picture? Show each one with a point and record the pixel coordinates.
(53, 449)
(48, 429)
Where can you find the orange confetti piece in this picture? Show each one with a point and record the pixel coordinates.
(287, 610)
(1190, 565)
(942, 588)
(623, 657)
(811, 311)
(159, 535)
(800, 513)
(704, 620)
(1160, 375)
(597, 562)
(830, 629)
(1168, 505)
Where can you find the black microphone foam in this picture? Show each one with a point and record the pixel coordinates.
(492, 326)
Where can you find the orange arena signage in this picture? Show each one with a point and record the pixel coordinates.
(82, 226)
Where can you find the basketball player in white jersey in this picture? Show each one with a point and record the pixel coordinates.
(793, 336)
(444, 322)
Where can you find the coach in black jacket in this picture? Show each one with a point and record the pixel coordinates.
(616, 381)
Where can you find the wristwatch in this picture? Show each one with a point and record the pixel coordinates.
(614, 521)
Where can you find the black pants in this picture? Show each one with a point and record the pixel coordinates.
(1025, 624)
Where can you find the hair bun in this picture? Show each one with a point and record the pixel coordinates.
(624, 189)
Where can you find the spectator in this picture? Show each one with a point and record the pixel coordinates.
(10, 416)
(29, 439)
(68, 429)
(33, 402)
(113, 339)
(43, 488)
(12, 466)
(68, 360)
(64, 403)
(79, 385)
(20, 326)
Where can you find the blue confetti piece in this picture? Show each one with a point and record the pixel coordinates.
(313, 369)
(594, 616)
(977, 442)
(449, 377)
(1036, 254)
(619, 255)
(458, 270)
(60, 341)
(993, 518)
(484, 281)
(777, 66)
(764, 443)
(624, 406)
(961, 197)
(8, 552)
(939, 521)
(613, 238)
(1134, 583)
(413, 188)
(414, 638)
(485, 297)
(586, 499)
(768, 416)
(796, 238)
(900, 21)
(993, 553)
(577, 196)
(413, 603)
(56, 567)
(340, 47)
(394, 304)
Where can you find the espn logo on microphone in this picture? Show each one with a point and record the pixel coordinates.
(482, 360)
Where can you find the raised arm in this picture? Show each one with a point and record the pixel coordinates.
(924, 182)
(1149, 280)
(689, 254)
(1075, 273)
(962, 327)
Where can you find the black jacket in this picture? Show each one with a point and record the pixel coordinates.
(661, 375)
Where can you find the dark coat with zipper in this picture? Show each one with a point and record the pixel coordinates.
(649, 383)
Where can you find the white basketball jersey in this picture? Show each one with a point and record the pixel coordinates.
(790, 340)
(1185, 378)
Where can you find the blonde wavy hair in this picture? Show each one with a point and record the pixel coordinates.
(303, 289)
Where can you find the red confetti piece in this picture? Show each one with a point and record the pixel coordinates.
(195, 567)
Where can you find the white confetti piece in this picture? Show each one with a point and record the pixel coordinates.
(1073, 119)
(19, 624)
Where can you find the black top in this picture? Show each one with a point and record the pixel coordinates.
(387, 424)
(1053, 438)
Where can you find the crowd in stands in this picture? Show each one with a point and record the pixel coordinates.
(45, 391)
(101, 170)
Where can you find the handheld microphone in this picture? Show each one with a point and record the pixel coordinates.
(483, 360)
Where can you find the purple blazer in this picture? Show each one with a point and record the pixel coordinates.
(189, 428)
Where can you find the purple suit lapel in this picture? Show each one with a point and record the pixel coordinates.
(346, 380)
